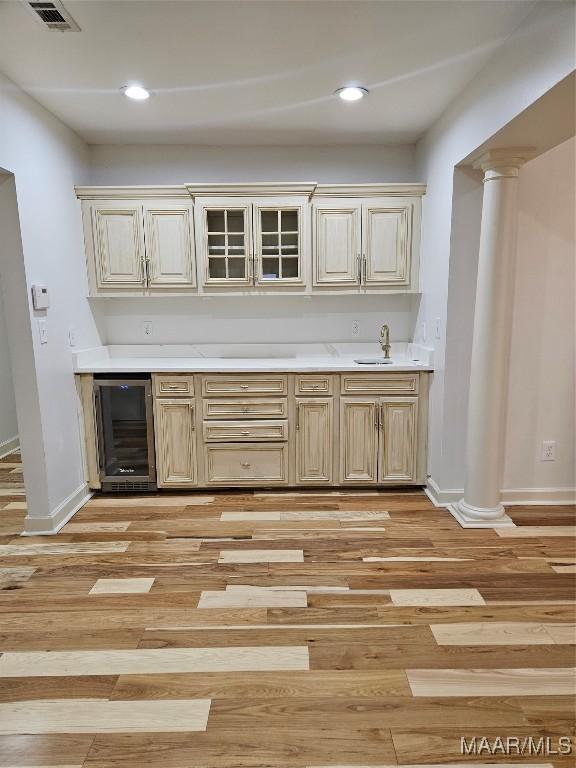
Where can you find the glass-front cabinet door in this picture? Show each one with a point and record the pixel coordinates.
(278, 246)
(227, 245)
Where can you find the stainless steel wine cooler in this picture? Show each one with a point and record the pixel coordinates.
(125, 427)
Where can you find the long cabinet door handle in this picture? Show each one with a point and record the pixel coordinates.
(359, 260)
(298, 416)
(364, 268)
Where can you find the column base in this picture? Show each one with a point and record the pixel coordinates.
(479, 517)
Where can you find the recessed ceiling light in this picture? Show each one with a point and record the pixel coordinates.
(136, 92)
(352, 93)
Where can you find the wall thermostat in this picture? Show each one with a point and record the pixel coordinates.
(40, 297)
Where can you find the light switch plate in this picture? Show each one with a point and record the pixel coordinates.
(42, 330)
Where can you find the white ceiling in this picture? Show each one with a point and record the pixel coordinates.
(244, 72)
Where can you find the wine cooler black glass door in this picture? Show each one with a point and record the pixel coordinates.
(125, 439)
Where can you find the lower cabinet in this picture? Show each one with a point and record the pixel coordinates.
(358, 440)
(175, 442)
(315, 435)
(378, 440)
(245, 464)
(398, 440)
(314, 441)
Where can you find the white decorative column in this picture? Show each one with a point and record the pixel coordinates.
(481, 506)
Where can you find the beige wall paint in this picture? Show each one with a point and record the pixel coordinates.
(541, 390)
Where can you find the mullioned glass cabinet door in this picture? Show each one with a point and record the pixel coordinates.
(278, 248)
(227, 245)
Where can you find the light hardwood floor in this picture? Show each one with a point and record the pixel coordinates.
(281, 630)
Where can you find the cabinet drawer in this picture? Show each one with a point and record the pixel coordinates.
(246, 464)
(245, 432)
(380, 384)
(173, 386)
(313, 385)
(215, 386)
(245, 409)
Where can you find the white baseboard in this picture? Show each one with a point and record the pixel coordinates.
(9, 446)
(510, 497)
(48, 526)
(442, 497)
(538, 496)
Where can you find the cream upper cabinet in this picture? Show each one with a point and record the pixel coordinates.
(358, 440)
(169, 238)
(175, 442)
(253, 243)
(302, 238)
(314, 441)
(115, 230)
(225, 240)
(139, 246)
(279, 243)
(337, 243)
(398, 431)
(387, 229)
(366, 244)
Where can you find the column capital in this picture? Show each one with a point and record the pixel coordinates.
(503, 163)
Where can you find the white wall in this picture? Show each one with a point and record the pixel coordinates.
(120, 164)
(541, 390)
(537, 56)
(254, 319)
(8, 421)
(47, 159)
(258, 319)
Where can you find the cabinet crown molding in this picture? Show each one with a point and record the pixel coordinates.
(248, 189)
(370, 190)
(310, 188)
(131, 193)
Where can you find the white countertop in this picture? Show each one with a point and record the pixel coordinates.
(248, 358)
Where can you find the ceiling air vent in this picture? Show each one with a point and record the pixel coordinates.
(53, 15)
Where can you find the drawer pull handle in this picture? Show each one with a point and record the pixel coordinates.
(172, 386)
(245, 464)
(243, 386)
(245, 432)
(245, 409)
(315, 386)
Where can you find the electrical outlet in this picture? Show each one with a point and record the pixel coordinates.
(355, 328)
(147, 328)
(549, 450)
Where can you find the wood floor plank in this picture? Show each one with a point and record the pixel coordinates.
(153, 661)
(122, 586)
(498, 633)
(253, 598)
(261, 556)
(494, 682)
(102, 716)
(436, 597)
(536, 531)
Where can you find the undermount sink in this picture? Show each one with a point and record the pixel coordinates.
(373, 361)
